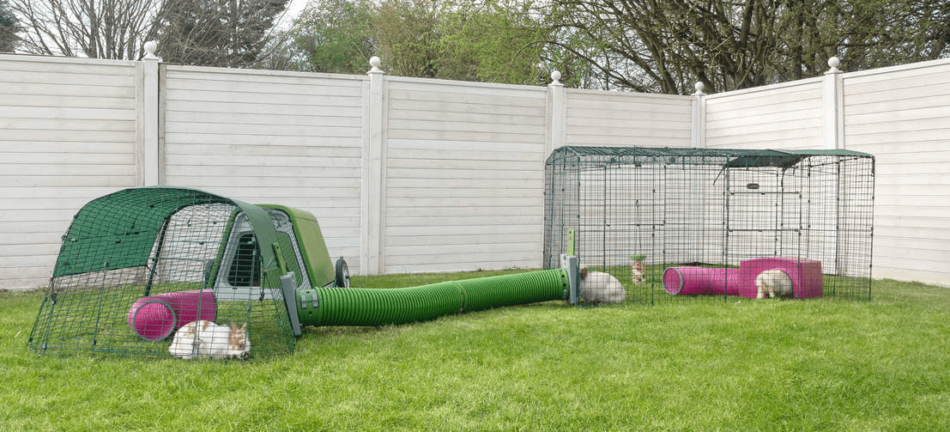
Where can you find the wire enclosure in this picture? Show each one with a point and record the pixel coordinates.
(704, 224)
(138, 265)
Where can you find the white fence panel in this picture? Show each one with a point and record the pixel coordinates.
(784, 116)
(902, 116)
(461, 165)
(270, 138)
(615, 119)
(464, 173)
(69, 132)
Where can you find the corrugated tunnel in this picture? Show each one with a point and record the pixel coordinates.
(373, 306)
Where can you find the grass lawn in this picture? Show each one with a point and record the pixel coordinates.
(743, 365)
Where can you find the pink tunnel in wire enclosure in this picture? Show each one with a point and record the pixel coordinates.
(701, 280)
(157, 317)
(805, 275)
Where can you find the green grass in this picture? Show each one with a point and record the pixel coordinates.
(743, 365)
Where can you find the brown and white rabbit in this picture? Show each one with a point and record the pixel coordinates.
(773, 283)
(597, 287)
(206, 339)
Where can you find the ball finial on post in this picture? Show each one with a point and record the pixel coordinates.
(375, 62)
(150, 48)
(833, 64)
(556, 78)
(699, 86)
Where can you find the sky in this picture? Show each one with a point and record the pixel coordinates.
(294, 7)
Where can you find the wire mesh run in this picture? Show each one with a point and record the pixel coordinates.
(163, 273)
(655, 225)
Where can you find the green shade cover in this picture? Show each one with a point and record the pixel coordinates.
(132, 218)
(119, 230)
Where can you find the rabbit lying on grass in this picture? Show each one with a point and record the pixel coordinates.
(597, 287)
(774, 283)
(206, 339)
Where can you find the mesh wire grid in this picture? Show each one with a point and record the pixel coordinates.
(704, 224)
(139, 265)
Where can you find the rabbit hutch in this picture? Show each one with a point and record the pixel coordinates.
(678, 224)
(167, 272)
(139, 264)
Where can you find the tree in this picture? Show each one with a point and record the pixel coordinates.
(111, 29)
(475, 40)
(195, 32)
(227, 33)
(666, 46)
(407, 35)
(495, 41)
(9, 27)
(332, 36)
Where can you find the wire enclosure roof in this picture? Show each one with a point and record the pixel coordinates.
(119, 230)
(726, 158)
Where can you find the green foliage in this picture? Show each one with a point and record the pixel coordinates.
(333, 36)
(744, 365)
(493, 41)
(407, 34)
(9, 27)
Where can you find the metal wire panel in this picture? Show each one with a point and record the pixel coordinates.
(640, 214)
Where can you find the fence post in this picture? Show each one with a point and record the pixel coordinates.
(698, 124)
(558, 112)
(833, 102)
(150, 118)
(372, 214)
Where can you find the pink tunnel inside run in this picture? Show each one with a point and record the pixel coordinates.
(157, 317)
(701, 280)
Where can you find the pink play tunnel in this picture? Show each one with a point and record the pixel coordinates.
(157, 317)
(701, 280)
(805, 275)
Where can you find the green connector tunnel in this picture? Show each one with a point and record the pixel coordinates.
(373, 307)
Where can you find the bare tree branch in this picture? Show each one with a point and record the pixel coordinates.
(112, 29)
(667, 45)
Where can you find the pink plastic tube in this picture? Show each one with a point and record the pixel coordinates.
(157, 317)
(804, 273)
(701, 280)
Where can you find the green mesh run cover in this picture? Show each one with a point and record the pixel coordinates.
(119, 230)
(138, 264)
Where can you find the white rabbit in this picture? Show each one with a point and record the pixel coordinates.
(774, 283)
(597, 287)
(206, 339)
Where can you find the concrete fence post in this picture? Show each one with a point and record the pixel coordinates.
(373, 176)
(833, 103)
(558, 112)
(150, 118)
(698, 123)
